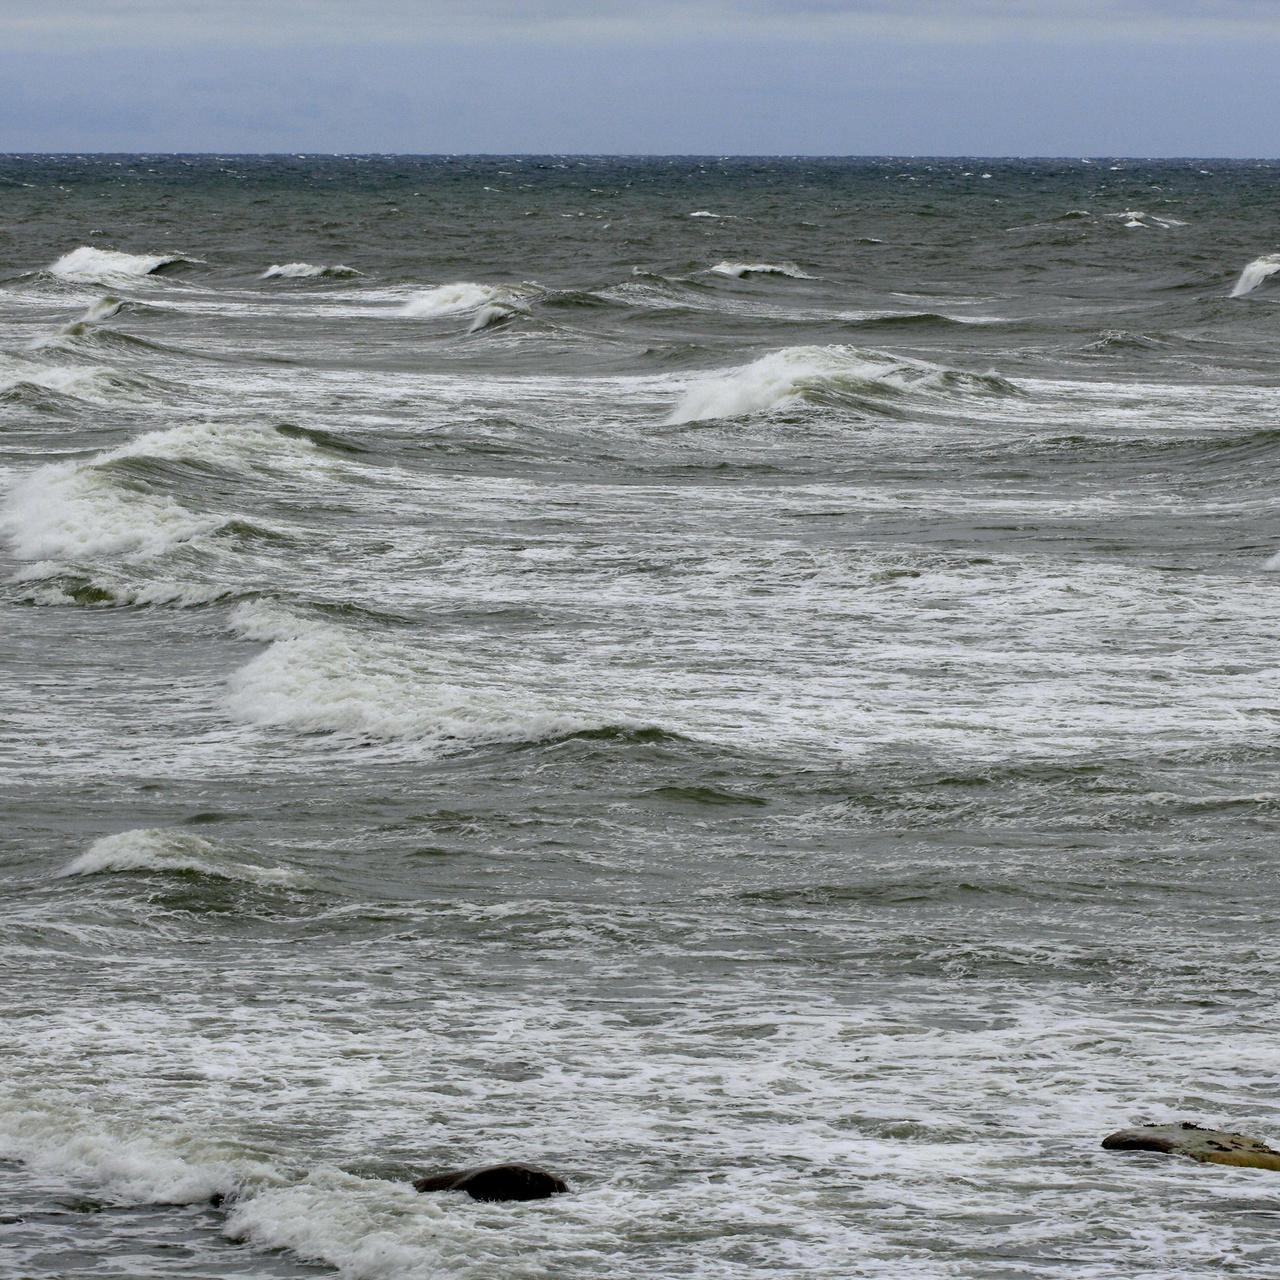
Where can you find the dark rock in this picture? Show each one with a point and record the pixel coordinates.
(1213, 1146)
(496, 1182)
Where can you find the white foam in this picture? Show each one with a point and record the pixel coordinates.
(740, 269)
(108, 266)
(307, 271)
(317, 677)
(168, 849)
(1255, 273)
(789, 376)
(706, 213)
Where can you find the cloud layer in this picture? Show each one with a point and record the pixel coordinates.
(846, 77)
(72, 23)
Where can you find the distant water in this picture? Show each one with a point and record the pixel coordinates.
(752, 683)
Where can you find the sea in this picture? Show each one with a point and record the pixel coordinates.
(750, 683)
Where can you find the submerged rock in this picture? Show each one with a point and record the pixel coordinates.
(1215, 1146)
(496, 1182)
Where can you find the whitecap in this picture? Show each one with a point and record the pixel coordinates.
(706, 213)
(166, 849)
(307, 271)
(109, 266)
(1255, 273)
(740, 269)
(796, 374)
(454, 299)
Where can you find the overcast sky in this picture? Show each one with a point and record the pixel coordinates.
(848, 77)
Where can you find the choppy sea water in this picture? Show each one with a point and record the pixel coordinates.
(751, 683)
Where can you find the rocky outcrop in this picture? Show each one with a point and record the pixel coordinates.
(496, 1182)
(1214, 1146)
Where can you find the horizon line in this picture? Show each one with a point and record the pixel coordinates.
(1072, 157)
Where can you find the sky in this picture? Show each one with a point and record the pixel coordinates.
(744, 77)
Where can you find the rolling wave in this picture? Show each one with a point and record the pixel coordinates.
(165, 850)
(823, 375)
(460, 298)
(109, 266)
(83, 382)
(308, 271)
(84, 509)
(740, 269)
(319, 678)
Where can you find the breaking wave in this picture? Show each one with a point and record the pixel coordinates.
(308, 271)
(318, 677)
(81, 381)
(1140, 218)
(822, 375)
(78, 510)
(109, 266)
(491, 317)
(740, 269)
(460, 298)
(1255, 273)
(74, 510)
(161, 849)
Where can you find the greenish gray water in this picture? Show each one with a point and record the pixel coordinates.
(750, 682)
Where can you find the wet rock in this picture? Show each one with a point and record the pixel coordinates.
(496, 1182)
(1214, 1146)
